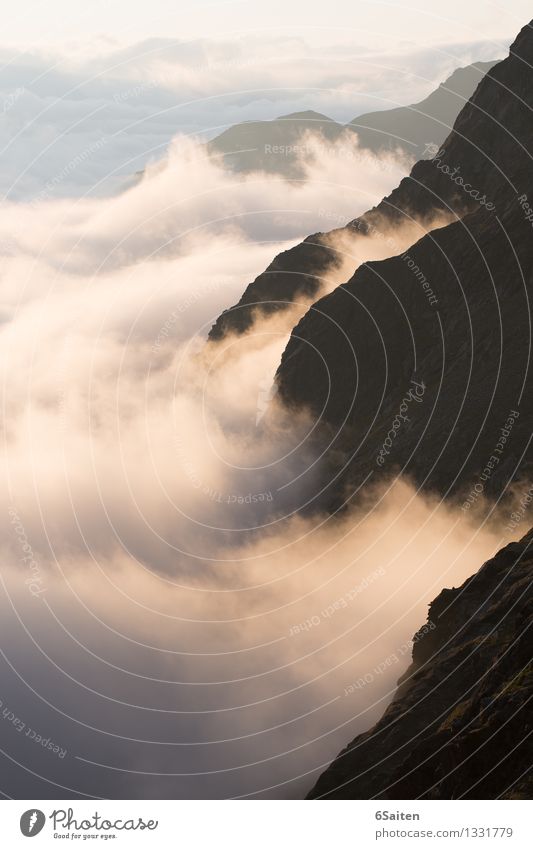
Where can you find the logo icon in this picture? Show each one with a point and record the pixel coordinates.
(32, 822)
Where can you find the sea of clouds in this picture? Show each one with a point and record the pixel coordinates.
(169, 618)
(88, 118)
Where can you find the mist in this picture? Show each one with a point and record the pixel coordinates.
(85, 117)
(172, 622)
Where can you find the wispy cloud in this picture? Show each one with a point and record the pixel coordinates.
(126, 104)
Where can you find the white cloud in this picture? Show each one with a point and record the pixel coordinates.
(155, 584)
(87, 121)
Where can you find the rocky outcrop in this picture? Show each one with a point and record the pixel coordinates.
(461, 724)
(451, 316)
(298, 272)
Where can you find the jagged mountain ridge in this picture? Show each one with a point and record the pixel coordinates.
(468, 346)
(461, 722)
(268, 145)
(412, 128)
(298, 272)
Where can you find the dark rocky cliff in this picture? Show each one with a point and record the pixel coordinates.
(453, 314)
(461, 724)
(412, 128)
(298, 272)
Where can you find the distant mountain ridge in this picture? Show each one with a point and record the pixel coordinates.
(274, 146)
(412, 128)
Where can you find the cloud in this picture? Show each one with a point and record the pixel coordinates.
(85, 122)
(242, 680)
(169, 618)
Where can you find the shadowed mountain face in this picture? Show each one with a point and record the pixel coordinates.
(272, 146)
(421, 363)
(460, 724)
(275, 146)
(298, 274)
(412, 128)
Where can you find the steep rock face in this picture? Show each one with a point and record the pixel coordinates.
(298, 272)
(412, 128)
(461, 723)
(452, 314)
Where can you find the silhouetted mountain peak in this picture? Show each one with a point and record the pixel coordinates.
(453, 312)
(307, 115)
(522, 46)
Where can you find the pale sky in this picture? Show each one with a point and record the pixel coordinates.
(375, 22)
(140, 73)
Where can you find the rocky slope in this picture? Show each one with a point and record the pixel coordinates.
(298, 272)
(411, 128)
(461, 724)
(448, 321)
